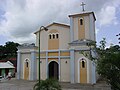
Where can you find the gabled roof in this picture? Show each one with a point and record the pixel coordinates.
(7, 64)
(57, 24)
(83, 14)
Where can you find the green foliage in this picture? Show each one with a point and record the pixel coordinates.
(8, 50)
(108, 65)
(103, 44)
(48, 84)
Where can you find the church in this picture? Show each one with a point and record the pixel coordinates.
(65, 52)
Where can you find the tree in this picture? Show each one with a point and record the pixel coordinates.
(2, 51)
(103, 44)
(8, 50)
(11, 48)
(108, 65)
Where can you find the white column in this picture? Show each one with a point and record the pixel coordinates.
(71, 29)
(18, 64)
(72, 66)
(33, 66)
(47, 76)
(93, 73)
(59, 65)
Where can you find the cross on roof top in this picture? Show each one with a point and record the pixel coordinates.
(83, 4)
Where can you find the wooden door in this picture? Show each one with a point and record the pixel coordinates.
(26, 71)
(83, 71)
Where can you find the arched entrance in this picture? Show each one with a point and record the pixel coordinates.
(53, 70)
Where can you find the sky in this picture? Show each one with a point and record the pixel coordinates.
(19, 19)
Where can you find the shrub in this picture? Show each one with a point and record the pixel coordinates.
(48, 84)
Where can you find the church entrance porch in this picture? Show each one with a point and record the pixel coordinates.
(53, 68)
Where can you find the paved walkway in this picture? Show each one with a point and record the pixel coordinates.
(15, 84)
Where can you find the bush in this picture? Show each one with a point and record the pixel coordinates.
(108, 66)
(48, 84)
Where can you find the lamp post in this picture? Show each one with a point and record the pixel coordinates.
(41, 28)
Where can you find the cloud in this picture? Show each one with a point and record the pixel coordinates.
(95, 5)
(21, 40)
(107, 14)
(109, 43)
(23, 17)
(97, 30)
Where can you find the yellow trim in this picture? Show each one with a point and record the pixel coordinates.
(43, 54)
(53, 43)
(81, 29)
(53, 54)
(65, 54)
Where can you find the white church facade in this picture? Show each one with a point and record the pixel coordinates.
(65, 52)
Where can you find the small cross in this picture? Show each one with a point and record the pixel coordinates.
(82, 4)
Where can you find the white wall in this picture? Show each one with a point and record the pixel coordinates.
(65, 70)
(23, 58)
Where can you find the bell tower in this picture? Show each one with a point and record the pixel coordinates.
(82, 25)
(82, 34)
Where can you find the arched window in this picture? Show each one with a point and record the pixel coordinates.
(83, 64)
(81, 21)
(53, 36)
(57, 36)
(27, 64)
(49, 36)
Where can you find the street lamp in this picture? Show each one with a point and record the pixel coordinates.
(41, 28)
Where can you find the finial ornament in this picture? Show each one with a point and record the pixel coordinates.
(83, 4)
